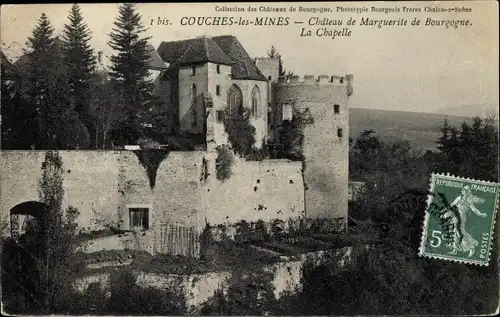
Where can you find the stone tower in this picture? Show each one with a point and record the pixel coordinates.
(324, 100)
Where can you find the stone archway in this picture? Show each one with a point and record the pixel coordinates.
(24, 215)
(235, 101)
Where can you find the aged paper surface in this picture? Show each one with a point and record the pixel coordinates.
(250, 158)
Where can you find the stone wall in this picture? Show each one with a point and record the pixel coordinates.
(266, 190)
(198, 288)
(103, 185)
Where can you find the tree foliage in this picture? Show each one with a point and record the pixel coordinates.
(273, 53)
(390, 277)
(224, 163)
(471, 151)
(240, 131)
(107, 110)
(250, 292)
(292, 136)
(39, 273)
(130, 70)
(42, 97)
(79, 58)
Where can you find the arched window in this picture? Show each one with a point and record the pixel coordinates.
(193, 94)
(255, 102)
(194, 113)
(235, 100)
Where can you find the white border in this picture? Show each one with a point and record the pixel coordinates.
(422, 253)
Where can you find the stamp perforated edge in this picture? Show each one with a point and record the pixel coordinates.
(422, 253)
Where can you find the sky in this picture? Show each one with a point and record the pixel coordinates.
(420, 68)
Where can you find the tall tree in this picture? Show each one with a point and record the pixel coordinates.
(443, 139)
(39, 264)
(38, 72)
(129, 70)
(107, 110)
(79, 59)
(57, 232)
(48, 91)
(18, 117)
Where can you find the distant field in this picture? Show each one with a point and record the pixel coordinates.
(421, 129)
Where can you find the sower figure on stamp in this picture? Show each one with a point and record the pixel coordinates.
(463, 241)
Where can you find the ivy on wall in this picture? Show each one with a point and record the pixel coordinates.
(241, 133)
(151, 159)
(224, 163)
(292, 134)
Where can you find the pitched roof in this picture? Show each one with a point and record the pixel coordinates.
(219, 49)
(204, 50)
(25, 58)
(156, 62)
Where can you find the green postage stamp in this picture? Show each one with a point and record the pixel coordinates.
(459, 220)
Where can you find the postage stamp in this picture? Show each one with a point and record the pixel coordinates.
(459, 220)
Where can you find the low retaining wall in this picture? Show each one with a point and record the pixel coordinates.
(199, 288)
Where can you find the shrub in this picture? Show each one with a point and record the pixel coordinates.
(151, 159)
(241, 133)
(224, 163)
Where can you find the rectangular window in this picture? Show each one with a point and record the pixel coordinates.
(336, 109)
(139, 218)
(217, 90)
(220, 116)
(287, 112)
(218, 69)
(193, 70)
(269, 77)
(339, 133)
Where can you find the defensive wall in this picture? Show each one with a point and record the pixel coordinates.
(105, 185)
(324, 102)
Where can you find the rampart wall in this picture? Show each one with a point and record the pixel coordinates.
(103, 185)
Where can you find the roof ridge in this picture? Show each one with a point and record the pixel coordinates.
(205, 42)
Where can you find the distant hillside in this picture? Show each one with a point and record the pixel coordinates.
(481, 110)
(421, 129)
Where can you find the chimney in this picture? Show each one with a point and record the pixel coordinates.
(99, 57)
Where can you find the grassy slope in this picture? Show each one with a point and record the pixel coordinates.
(421, 129)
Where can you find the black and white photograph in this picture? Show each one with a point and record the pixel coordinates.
(250, 159)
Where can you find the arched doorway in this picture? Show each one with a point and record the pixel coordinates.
(235, 100)
(25, 216)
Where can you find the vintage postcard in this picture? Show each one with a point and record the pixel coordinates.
(280, 158)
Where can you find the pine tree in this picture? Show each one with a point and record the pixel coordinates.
(18, 116)
(129, 69)
(443, 140)
(79, 59)
(40, 74)
(466, 149)
(49, 93)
